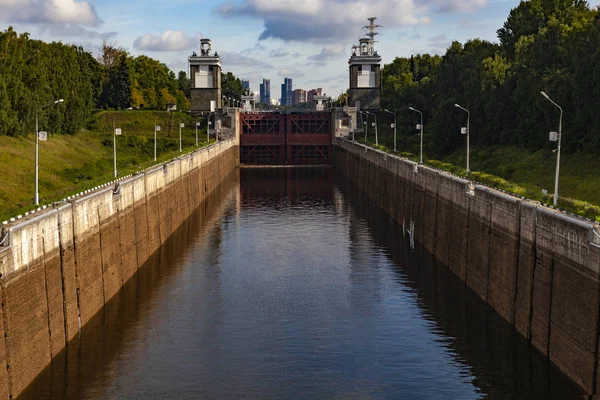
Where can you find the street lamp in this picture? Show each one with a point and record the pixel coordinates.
(558, 151)
(393, 126)
(116, 131)
(420, 126)
(156, 129)
(467, 132)
(197, 125)
(209, 123)
(37, 151)
(366, 124)
(375, 125)
(181, 125)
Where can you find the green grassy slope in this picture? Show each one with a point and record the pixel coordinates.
(70, 164)
(520, 172)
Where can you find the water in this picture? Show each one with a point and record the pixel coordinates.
(288, 284)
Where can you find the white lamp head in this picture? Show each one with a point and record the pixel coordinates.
(59, 101)
(545, 95)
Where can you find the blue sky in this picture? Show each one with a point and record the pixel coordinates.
(307, 40)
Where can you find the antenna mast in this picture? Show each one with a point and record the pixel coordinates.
(372, 33)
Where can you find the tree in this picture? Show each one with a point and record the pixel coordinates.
(231, 86)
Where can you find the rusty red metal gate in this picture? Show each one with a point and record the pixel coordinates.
(295, 138)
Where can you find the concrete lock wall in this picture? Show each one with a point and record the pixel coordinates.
(59, 268)
(537, 267)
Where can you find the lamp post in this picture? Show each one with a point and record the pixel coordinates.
(558, 150)
(180, 146)
(366, 124)
(467, 133)
(116, 131)
(375, 125)
(197, 125)
(421, 126)
(36, 196)
(209, 123)
(154, 139)
(394, 126)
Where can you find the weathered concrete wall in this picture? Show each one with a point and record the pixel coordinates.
(59, 268)
(537, 267)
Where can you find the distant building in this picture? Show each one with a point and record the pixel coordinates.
(286, 92)
(312, 93)
(265, 91)
(205, 76)
(298, 96)
(245, 86)
(275, 102)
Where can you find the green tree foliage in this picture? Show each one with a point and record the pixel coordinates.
(34, 73)
(231, 86)
(549, 45)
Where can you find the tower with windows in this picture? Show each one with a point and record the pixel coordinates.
(205, 77)
(365, 72)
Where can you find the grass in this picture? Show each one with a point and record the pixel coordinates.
(525, 174)
(71, 164)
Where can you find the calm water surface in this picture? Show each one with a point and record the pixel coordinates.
(288, 284)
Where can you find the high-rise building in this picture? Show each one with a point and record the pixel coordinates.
(299, 97)
(286, 92)
(265, 91)
(312, 93)
(245, 86)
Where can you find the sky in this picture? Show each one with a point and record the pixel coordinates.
(309, 41)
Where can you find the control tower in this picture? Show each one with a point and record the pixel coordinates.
(365, 72)
(205, 76)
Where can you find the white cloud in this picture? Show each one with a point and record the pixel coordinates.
(279, 53)
(329, 52)
(74, 30)
(323, 20)
(167, 41)
(49, 12)
(290, 73)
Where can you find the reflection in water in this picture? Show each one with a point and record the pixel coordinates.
(293, 285)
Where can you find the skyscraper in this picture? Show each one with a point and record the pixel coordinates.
(265, 91)
(286, 92)
(245, 85)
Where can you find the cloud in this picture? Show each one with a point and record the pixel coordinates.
(279, 53)
(324, 20)
(291, 72)
(73, 30)
(459, 6)
(49, 12)
(241, 60)
(327, 53)
(167, 41)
